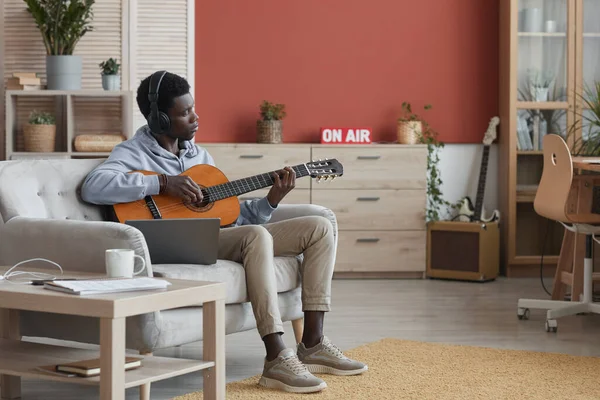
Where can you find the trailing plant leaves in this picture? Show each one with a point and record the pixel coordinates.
(435, 198)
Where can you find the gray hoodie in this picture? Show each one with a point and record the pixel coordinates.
(111, 182)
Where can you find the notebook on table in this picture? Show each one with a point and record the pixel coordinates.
(106, 285)
(87, 368)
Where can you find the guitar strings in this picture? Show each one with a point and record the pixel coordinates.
(228, 189)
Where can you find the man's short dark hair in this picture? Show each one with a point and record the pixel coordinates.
(171, 87)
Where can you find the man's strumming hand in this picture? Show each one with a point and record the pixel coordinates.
(281, 186)
(183, 187)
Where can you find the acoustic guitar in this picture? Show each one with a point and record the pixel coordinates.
(220, 194)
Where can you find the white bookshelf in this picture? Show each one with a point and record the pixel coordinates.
(76, 112)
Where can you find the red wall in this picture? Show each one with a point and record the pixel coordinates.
(346, 62)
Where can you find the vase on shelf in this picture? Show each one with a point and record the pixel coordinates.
(63, 72)
(39, 137)
(408, 132)
(540, 93)
(111, 82)
(270, 131)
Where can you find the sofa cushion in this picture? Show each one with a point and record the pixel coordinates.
(233, 274)
(46, 189)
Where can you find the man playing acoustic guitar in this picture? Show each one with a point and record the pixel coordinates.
(166, 146)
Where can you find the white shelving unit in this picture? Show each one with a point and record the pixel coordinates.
(76, 112)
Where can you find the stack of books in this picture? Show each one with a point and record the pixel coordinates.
(24, 81)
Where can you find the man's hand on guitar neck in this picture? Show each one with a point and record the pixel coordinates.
(281, 186)
(183, 187)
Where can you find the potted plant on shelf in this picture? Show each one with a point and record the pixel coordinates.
(540, 84)
(270, 125)
(413, 129)
(62, 24)
(110, 74)
(410, 126)
(39, 133)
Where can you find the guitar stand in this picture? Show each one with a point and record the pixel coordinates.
(557, 308)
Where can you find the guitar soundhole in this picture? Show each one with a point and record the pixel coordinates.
(203, 206)
(200, 207)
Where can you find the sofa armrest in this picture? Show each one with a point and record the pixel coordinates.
(74, 245)
(287, 211)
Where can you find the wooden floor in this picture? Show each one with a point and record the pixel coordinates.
(481, 314)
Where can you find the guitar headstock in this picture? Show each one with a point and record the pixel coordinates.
(490, 134)
(327, 169)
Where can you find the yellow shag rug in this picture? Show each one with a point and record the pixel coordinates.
(400, 369)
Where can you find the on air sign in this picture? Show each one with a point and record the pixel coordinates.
(346, 135)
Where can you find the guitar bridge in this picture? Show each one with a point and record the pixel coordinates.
(152, 207)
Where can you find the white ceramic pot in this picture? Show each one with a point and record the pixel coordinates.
(111, 82)
(540, 93)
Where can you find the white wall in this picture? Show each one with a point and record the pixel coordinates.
(459, 166)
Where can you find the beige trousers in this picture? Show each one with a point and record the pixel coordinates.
(255, 246)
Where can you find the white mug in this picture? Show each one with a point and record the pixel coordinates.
(120, 263)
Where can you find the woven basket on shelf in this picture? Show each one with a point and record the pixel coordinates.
(269, 131)
(39, 138)
(409, 132)
(97, 143)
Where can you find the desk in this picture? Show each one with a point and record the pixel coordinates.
(578, 163)
(569, 271)
(19, 358)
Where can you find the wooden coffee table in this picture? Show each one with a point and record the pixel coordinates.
(22, 359)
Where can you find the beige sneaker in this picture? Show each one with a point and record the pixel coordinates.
(326, 358)
(287, 373)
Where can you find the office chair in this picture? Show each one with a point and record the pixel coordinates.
(551, 201)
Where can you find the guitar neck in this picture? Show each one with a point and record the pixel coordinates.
(481, 184)
(249, 184)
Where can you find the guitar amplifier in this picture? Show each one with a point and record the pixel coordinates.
(463, 250)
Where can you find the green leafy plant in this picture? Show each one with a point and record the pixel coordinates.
(586, 139)
(109, 67)
(429, 136)
(409, 115)
(272, 112)
(41, 118)
(61, 23)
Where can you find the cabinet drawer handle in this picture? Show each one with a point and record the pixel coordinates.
(367, 240)
(251, 156)
(367, 198)
(368, 157)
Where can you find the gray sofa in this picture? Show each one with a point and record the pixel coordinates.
(44, 216)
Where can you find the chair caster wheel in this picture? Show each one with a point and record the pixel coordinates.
(523, 313)
(551, 325)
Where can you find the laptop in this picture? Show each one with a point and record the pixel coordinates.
(181, 240)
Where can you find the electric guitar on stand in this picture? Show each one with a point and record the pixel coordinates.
(468, 213)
